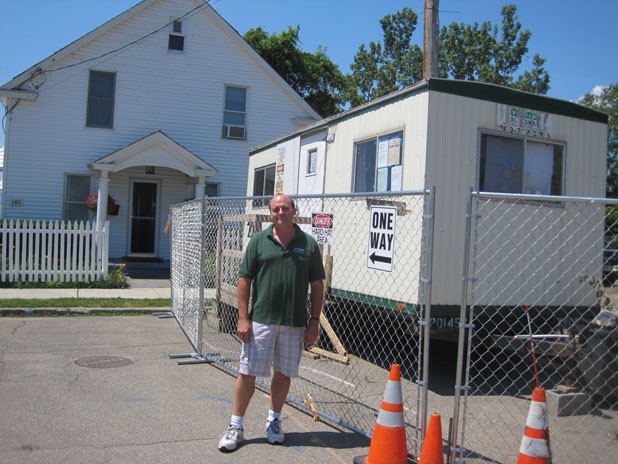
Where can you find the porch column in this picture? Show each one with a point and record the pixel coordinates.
(102, 200)
(199, 187)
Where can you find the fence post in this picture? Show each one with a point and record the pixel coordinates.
(429, 215)
(463, 325)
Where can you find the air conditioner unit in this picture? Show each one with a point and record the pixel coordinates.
(233, 132)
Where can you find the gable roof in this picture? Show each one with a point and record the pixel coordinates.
(156, 149)
(12, 89)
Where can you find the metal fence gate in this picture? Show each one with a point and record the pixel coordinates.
(377, 255)
(536, 281)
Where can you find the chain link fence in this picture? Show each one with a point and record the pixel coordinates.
(186, 269)
(538, 279)
(377, 256)
(542, 311)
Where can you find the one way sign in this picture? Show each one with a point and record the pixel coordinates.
(381, 238)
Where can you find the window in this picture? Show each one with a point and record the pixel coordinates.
(514, 165)
(263, 184)
(377, 164)
(234, 114)
(76, 189)
(101, 90)
(211, 190)
(312, 161)
(176, 39)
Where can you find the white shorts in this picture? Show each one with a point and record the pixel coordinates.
(273, 345)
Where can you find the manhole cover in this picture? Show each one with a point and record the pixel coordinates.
(103, 361)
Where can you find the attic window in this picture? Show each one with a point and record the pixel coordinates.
(176, 38)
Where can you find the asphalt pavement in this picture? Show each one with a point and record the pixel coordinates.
(80, 390)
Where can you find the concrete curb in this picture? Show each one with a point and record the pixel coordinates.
(21, 312)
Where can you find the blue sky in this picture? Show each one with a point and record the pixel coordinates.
(578, 39)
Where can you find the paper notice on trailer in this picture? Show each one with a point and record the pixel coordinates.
(381, 238)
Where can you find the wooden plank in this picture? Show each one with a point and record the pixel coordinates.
(343, 358)
(232, 253)
(246, 218)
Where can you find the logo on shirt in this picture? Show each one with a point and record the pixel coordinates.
(298, 250)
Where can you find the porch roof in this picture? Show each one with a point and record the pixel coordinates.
(156, 149)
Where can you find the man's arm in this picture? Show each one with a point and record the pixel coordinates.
(317, 300)
(242, 296)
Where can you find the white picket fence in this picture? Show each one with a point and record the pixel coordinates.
(53, 251)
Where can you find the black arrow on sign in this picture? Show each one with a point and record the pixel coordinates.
(383, 259)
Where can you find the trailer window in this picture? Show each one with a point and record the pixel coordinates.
(263, 184)
(513, 165)
(377, 164)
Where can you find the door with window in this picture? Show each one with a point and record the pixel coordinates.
(143, 218)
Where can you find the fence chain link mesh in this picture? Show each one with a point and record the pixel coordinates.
(542, 309)
(372, 317)
(186, 269)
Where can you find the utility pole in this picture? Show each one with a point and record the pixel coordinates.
(430, 39)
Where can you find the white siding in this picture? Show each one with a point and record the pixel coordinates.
(452, 166)
(409, 115)
(179, 93)
(312, 183)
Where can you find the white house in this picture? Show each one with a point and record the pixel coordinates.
(158, 105)
(451, 135)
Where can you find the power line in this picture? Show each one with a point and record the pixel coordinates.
(130, 44)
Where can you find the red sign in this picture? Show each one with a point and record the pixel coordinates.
(324, 221)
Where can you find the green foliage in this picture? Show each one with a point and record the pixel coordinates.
(389, 65)
(484, 52)
(312, 75)
(607, 101)
(115, 279)
(491, 54)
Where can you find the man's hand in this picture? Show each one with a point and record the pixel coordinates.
(244, 330)
(312, 332)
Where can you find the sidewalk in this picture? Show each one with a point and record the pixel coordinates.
(139, 288)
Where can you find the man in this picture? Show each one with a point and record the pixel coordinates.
(280, 263)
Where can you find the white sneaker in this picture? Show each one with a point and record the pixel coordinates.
(274, 432)
(231, 439)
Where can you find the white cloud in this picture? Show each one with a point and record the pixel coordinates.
(598, 90)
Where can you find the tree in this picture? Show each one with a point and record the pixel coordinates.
(386, 67)
(312, 75)
(478, 52)
(606, 99)
(489, 54)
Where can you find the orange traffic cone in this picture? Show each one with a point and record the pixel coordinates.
(431, 452)
(534, 447)
(388, 442)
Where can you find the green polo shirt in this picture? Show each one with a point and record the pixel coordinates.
(280, 276)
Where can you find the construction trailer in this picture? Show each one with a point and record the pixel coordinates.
(456, 136)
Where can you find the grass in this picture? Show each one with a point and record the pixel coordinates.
(86, 303)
